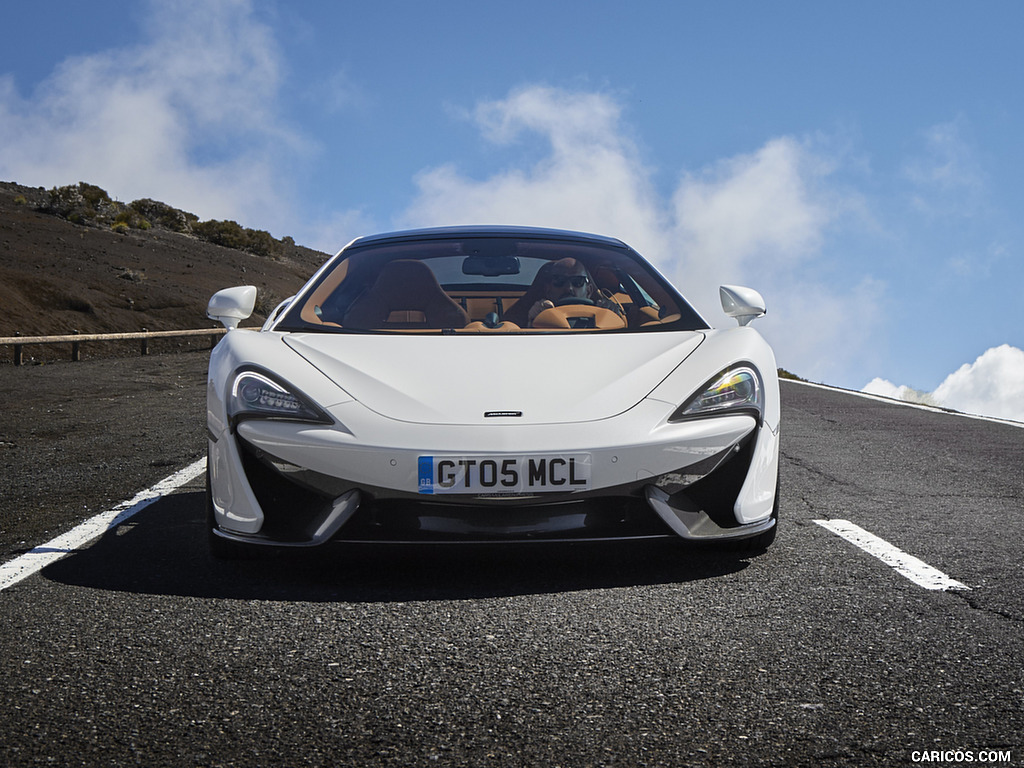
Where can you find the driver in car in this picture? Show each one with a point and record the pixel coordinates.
(565, 280)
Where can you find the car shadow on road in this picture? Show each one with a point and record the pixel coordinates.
(163, 551)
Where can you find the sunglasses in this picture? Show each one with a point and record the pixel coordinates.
(577, 281)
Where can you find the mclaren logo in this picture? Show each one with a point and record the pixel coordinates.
(502, 414)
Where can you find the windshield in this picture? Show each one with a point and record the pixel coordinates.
(488, 284)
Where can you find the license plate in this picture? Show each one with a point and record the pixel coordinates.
(504, 475)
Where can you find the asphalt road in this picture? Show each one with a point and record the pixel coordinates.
(140, 650)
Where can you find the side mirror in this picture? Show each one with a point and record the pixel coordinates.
(743, 304)
(232, 305)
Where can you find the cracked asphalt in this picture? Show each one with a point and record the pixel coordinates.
(140, 650)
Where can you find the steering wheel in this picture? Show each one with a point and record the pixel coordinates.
(570, 300)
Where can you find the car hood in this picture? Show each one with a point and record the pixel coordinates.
(528, 379)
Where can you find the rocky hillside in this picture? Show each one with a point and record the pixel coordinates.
(72, 259)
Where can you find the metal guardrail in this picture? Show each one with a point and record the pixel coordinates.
(77, 339)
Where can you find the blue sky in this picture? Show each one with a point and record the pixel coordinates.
(860, 163)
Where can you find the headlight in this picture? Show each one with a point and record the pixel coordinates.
(256, 394)
(736, 390)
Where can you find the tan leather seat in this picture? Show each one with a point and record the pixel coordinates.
(519, 313)
(405, 295)
(503, 327)
(579, 316)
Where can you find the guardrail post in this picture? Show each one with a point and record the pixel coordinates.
(18, 350)
(76, 349)
(145, 343)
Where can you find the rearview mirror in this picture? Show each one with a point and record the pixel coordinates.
(490, 266)
(232, 305)
(742, 304)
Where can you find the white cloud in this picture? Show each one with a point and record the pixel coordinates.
(886, 388)
(336, 93)
(758, 218)
(591, 178)
(947, 177)
(187, 117)
(993, 385)
(753, 207)
(330, 234)
(762, 218)
(977, 265)
(819, 332)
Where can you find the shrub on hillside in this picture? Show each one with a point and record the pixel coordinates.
(90, 205)
(260, 242)
(230, 234)
(82, 204)
(130, 218)
(227, 233)
(65, 201)
(163, 215)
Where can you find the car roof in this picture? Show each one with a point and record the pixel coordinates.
(486, 231)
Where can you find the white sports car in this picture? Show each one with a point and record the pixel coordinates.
(489, 384)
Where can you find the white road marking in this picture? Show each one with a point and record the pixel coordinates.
(908, 404)
(34, 561)
(906, 565)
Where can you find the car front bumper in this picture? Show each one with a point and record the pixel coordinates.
(292, 484)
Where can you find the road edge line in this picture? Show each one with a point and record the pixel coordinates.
(907, 403)
(37, 558)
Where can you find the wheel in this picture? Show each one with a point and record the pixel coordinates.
(569, 301)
